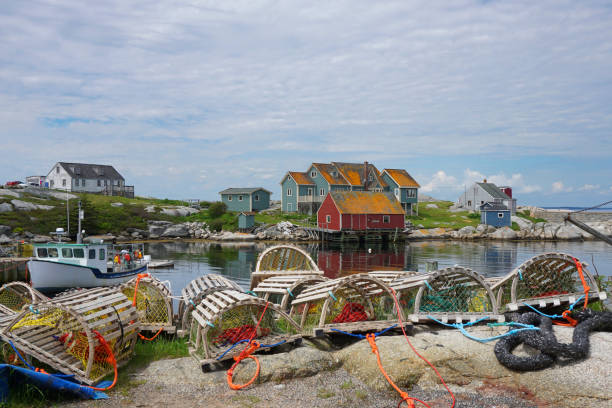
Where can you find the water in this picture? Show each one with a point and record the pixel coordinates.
(236, 261)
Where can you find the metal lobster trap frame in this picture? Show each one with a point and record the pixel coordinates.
(82, 335)
(454, 294)
(153, 301)
(546, 280)
(15, 295)
(280, 290)
(354, 303)
(225, 320)
(198, 289)
(283, 260)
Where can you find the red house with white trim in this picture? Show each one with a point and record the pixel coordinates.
(359, 211)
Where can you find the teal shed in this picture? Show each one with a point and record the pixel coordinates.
(246, 220)
(246, 199)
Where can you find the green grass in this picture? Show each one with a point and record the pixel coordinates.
(441, 217)
(325, 393)
(274, 217)
(525, 214)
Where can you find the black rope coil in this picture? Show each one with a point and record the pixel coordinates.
(546, 342)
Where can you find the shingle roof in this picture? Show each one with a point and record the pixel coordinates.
(301, 178)
(488, 206)
(353, 172)
(493, 191)
(326, 170)
(247, 190)
(91, 171)
(366, 202)
(401, 177)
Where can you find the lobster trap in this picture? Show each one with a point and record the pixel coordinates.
(153, 301)
(280, 290)
(15, 295)
(196, 290)
(84, 335)
(547, 280)
(453, 294)
(354, 303)
(283, 260)
(390, 276)
(225, 321)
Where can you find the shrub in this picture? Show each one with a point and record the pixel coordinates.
(216, 225)
(217, 209)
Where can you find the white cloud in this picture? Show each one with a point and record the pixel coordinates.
(440, 180)
(589, 187)
(559, 187)
(516, 181)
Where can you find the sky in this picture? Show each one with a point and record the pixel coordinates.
(187, 98)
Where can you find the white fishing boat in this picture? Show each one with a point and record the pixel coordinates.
(59, 265)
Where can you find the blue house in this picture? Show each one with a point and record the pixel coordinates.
(495, 214)
(246, 220)
(404, 187)
(246, 199)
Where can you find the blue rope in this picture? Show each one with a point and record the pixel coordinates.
(192, 304)
(555, 316)
(332, 295)
(291, 294)
(35, 311)
(32, 368)
(361, 336)
(247, 340)
(429, 286)
(250, 292)
(520, 274)
(461, 328)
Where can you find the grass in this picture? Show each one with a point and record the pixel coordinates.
(442, 217)
(325, 393)
(525, 214)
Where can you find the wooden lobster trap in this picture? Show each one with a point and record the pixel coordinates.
(547, 280)
(390, 276)
(283, 260)
(198, 289)
(226, 320)
(15, 295)
(354, 303)
(280, 290)
(453, 294)
(84, 335)
(153, 301)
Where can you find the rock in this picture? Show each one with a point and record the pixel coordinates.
(9, 193)
(5, 229)
(4, 239)
(97, 238)
(5, 207)
(523, 223)
(503, 233)
(26, 206)
(160, 223)
(482, 228)
(178, 211)
(176, 231)
(41, 239)
(467, 231)
(431, 206)
(150, 209)
(568, 232)
(44, 193)
(116, 204)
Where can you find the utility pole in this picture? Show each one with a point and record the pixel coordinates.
(67, 214)
(81, 216)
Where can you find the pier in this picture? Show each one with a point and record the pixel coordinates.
(361, 236)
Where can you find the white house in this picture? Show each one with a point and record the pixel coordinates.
(479, 193)
(89, 178)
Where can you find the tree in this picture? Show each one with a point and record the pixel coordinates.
(217, 209)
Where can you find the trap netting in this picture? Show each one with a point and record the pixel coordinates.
(351, 304)
(15, 295)
(226, 320)
(197, 289)
(280, 290)
(153, 301)
(452, 294)
(283, 259)
(85, 335)
(546, 280)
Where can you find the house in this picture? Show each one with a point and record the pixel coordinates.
(305, 191)
(404, 187)
(88, 178)
(359, 211)
(36, 181)
(495, 214)
(246, 199)
(480, 193)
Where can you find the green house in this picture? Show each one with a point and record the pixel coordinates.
(246, 199)
(246, 220)
(404, 187)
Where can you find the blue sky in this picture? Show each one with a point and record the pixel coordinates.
(186, 98)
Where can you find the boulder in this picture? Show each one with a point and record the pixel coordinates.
(150, 209)
(9, 193)
(176, 231)
(467, 231)
(523, 223)
(5, 207)
(503, 233)
(568, 232)
(116, 204)
(482, 228)
(160, 223)
(26, 206)
(431, 206)
(5, 229)
(41, 239)
(178, 211)
(4, 239)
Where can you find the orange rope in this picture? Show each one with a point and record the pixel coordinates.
(586, 287)
(111, 360)
(138, 278)
(152, 338)
(416, 352)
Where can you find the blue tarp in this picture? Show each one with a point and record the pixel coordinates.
(46, 381)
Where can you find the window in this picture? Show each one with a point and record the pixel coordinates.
(310, 191)
(289, 207)
(370, 178)
(63, 182)
(386, 219)
(328, 219)
(240, 198)
(52, 252)
(481, 202)
(57, 170)
(500, 215)
(256, 197)
(102, 254)
(229, 197)
(99, 182)
(78, 253)
(322, 192)
(396, 192)
(92, 254)
(411, 192)
(66, 252)
(52, 183)
(334, 174)
(289, 193)
(41, 252)
(76, 182)
(469, 203)
(313, 174)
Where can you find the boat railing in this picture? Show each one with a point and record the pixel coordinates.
(126, 257)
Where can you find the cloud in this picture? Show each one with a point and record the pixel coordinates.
(516, 181)
(589, 187)
(440, 180)
(559, 187)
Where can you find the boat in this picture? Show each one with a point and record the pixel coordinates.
(56, 266)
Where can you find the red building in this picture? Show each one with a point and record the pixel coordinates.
(359, 211)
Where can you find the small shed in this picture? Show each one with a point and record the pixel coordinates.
(360, 210)
(246, 220)
(495, 214)
(246, 199)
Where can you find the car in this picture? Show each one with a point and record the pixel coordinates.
(12, 183)
(22, 185)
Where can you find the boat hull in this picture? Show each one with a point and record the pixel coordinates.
(48, 276)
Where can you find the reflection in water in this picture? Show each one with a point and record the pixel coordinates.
(490, 258)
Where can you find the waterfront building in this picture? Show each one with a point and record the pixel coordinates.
(246, 199)
(88, 178)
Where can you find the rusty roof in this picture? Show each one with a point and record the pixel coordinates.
(327, 171)
(301, 178)
(366, 202)
(353, 172)
(402, 178)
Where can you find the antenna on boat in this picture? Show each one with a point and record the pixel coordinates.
(59, 233)
(80, 231)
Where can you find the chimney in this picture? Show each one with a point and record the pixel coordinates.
(365, 176)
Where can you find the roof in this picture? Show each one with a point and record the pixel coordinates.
(401, 177)
(301, 178)
(327, 171)
(488, 206)
(353, 172)
(248, 190)
(366, 202)
(91, 171)
(493, 191)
